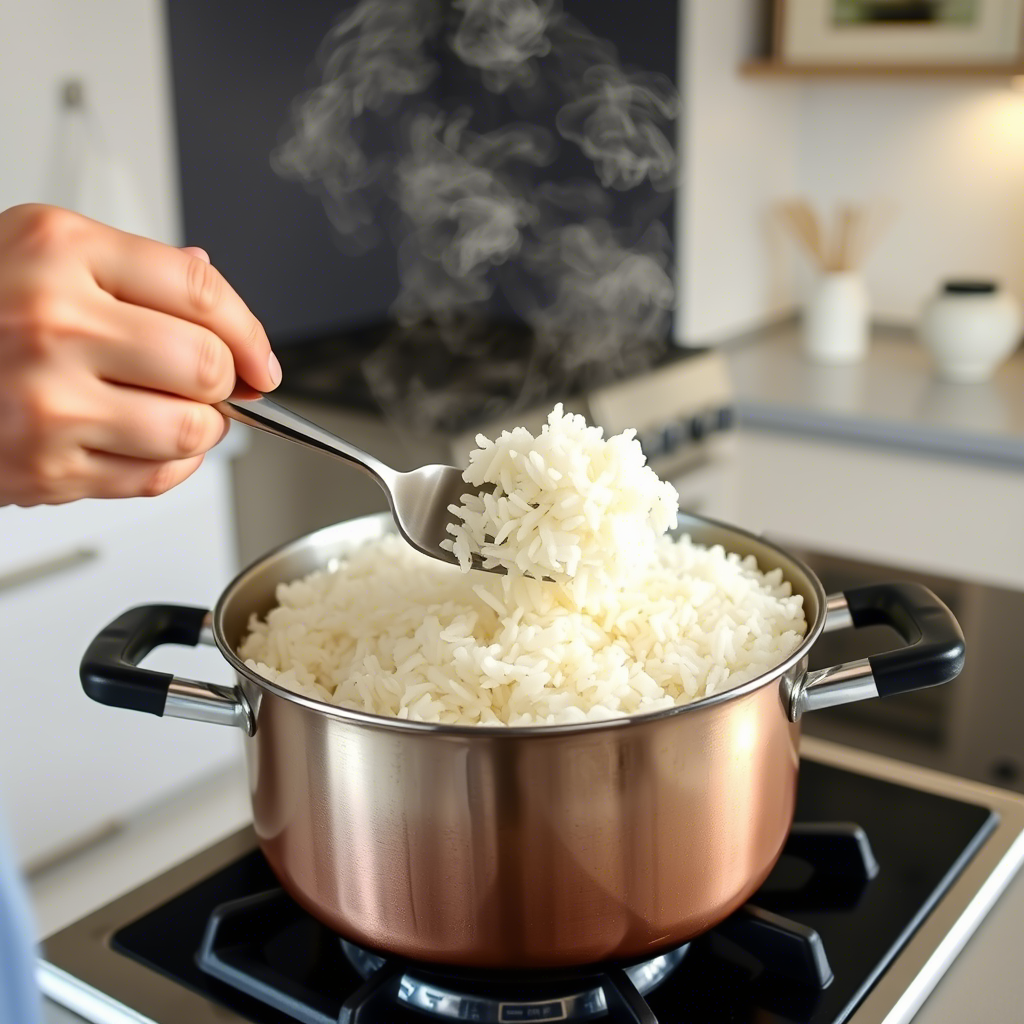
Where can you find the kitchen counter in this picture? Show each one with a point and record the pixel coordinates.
(984, 982)
(146, 846)
(892, 398)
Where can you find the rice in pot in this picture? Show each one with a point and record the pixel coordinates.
(628, 620)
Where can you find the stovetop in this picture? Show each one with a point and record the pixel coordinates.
(410, 375)
(830, 937)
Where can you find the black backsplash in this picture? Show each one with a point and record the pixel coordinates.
(237, 68)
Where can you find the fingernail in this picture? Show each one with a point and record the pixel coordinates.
(274, 368)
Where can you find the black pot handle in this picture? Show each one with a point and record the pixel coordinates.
(110, 672)
(935, 643)
(934, 651)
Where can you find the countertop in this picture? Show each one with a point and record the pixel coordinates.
(892, 398)
(144, 847)
(985, 981)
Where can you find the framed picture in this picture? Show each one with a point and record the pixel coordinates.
(946, 32)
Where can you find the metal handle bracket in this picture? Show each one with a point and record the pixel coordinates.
(208, 702)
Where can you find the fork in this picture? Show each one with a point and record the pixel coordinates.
(418, 499)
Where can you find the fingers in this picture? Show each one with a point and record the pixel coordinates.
(148, 349)
(146, 273)
(113, 476)
(148, 425)
(112, 349)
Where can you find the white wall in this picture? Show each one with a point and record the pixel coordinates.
(740, 145)
(118, 49)
(949, 155)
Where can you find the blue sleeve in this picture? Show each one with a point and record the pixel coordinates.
(19, 998)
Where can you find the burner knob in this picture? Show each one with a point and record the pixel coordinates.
(675, 435)
(1005, 771)
(652, 443)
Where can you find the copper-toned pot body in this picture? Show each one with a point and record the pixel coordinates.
(518, 847)
(524, 851)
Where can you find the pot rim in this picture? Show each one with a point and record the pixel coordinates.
(366, 718)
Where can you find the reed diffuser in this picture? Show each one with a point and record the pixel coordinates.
(836, 310)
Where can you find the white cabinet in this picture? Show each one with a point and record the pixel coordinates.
(70, 767)
(946, 516)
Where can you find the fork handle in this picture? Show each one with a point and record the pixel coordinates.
(260, 412)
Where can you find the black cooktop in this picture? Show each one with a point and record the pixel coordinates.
(815, 939)
(415, 377)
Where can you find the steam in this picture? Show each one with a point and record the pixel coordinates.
(477, 222)
(605, 292)
(616, 123)
(465, 210)
(375, 55)
(370, 60)
(501, 38)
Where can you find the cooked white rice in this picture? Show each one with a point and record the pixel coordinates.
(599, 615)
(568, 505)
(393, 632)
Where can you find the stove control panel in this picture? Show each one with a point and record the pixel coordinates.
(670, 440)
(682, 411)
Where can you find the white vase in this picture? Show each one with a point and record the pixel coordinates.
(836, 319)
(970, 328)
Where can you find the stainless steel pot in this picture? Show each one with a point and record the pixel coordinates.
(534, 847)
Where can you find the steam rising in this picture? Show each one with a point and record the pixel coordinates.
(615, 121)
(604, 292)
(371, 59)
(476, 219)
(465, 211)
(501, 38)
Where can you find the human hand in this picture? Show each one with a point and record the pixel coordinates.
(112, 349)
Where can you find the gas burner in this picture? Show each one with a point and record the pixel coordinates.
(572, 996)
(256, 945)
(250, 944)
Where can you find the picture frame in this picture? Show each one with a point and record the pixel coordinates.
(954, 33)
